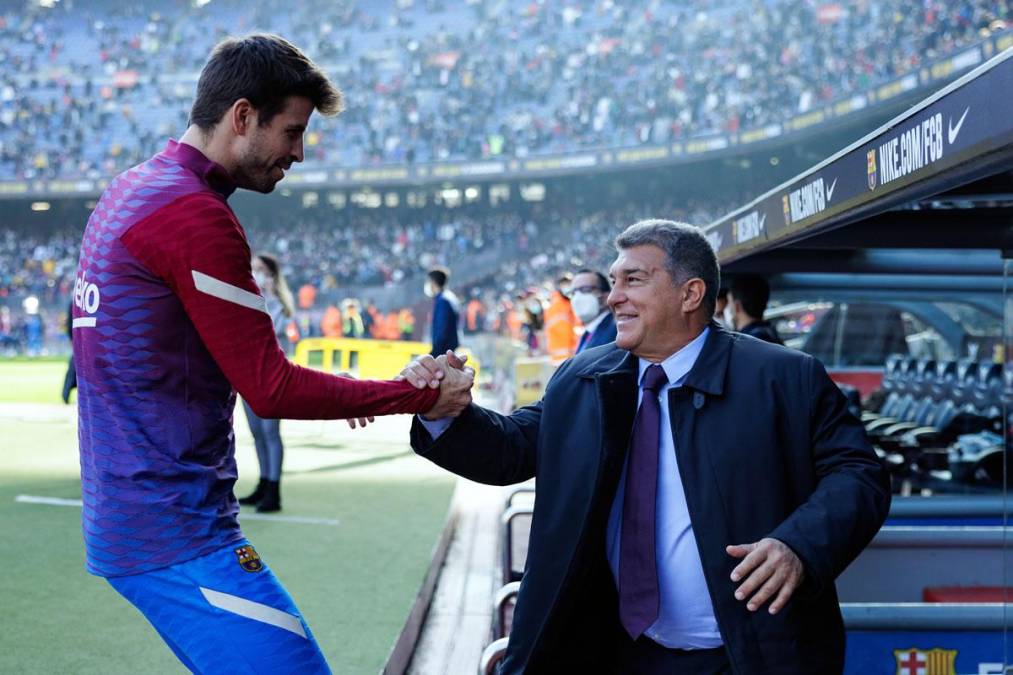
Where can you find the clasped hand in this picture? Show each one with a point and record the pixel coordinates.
(450, 375)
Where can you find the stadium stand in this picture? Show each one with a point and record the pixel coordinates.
(334, 250)
(90, 89)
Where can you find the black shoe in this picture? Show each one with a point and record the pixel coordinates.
(271, 501)
(255, 496)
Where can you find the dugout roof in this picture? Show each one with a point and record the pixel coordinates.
(937, 177)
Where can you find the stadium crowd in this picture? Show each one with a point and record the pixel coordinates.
(330, 251)
(88, 89)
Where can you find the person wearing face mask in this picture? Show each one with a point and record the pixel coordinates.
(590, 290)
(267, 432)
(446, 311)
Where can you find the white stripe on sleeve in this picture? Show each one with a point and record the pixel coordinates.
(225, 291)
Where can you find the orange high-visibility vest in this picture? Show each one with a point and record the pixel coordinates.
(474, 308)
(560, 320)
(331, 324)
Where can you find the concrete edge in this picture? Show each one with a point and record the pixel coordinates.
(404, 648)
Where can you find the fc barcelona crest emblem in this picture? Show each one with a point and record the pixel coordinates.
(787, 209)
(926, 661)
(248, 559)
(871, 157)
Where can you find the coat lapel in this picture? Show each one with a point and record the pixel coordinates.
(617, 399)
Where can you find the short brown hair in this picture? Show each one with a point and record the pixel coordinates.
(264, 69)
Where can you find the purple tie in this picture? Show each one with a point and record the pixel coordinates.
(639, 599)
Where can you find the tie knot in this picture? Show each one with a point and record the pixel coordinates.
(654, 378)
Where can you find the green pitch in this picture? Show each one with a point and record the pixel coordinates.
(354, 581)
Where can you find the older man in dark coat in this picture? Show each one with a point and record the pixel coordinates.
(698, 490)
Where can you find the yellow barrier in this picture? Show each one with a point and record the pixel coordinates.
(367, 359)
(530, 378)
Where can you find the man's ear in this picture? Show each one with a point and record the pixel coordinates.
(693, 292)
(242, 117)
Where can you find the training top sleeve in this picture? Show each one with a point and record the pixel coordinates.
(196, 246)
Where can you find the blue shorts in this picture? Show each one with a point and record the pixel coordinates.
(225, 612)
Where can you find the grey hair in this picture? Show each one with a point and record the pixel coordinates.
(688, 254)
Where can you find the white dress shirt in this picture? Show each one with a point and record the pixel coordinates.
(686, 617)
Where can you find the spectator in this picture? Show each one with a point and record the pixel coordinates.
(267, 432)
(590, 293)
(446, 311)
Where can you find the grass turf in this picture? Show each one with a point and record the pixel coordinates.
(28, 381)
(354, 583)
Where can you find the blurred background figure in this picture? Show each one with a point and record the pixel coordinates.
(474, 314)
(372, 321)
(34, 328)
(748, 297)
(267, 433)
(406, 323)
(446, 311)
(353, 325)
(590, 292)
(560, 321)
(721, 312)
(70, 379)
(533, 320)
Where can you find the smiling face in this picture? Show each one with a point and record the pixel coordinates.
(653, 313)
(264, 153)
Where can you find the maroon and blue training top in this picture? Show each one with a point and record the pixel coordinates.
(168, 325)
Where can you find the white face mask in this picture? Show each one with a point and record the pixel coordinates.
(428, 290)
(262, 280)
(585, 306)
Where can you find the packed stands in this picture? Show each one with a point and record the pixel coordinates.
(88, 89)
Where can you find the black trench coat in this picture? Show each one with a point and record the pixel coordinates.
(766, 447)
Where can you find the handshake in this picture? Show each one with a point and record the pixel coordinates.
(450, 375)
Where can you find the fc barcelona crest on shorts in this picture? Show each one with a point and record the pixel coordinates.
(248, 559)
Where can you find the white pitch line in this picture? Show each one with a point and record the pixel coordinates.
(51, 501)
(303, 520)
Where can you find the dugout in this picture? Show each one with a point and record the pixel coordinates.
(891, 262)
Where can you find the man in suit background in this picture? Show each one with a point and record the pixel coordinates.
(446, 311)
(698, 490)
(590, 290)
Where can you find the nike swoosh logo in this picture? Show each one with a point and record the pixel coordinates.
(954, 130)
(830, 190)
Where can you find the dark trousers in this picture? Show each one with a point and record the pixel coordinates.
(647, 657)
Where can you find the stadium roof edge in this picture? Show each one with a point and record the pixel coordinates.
(746, 224)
